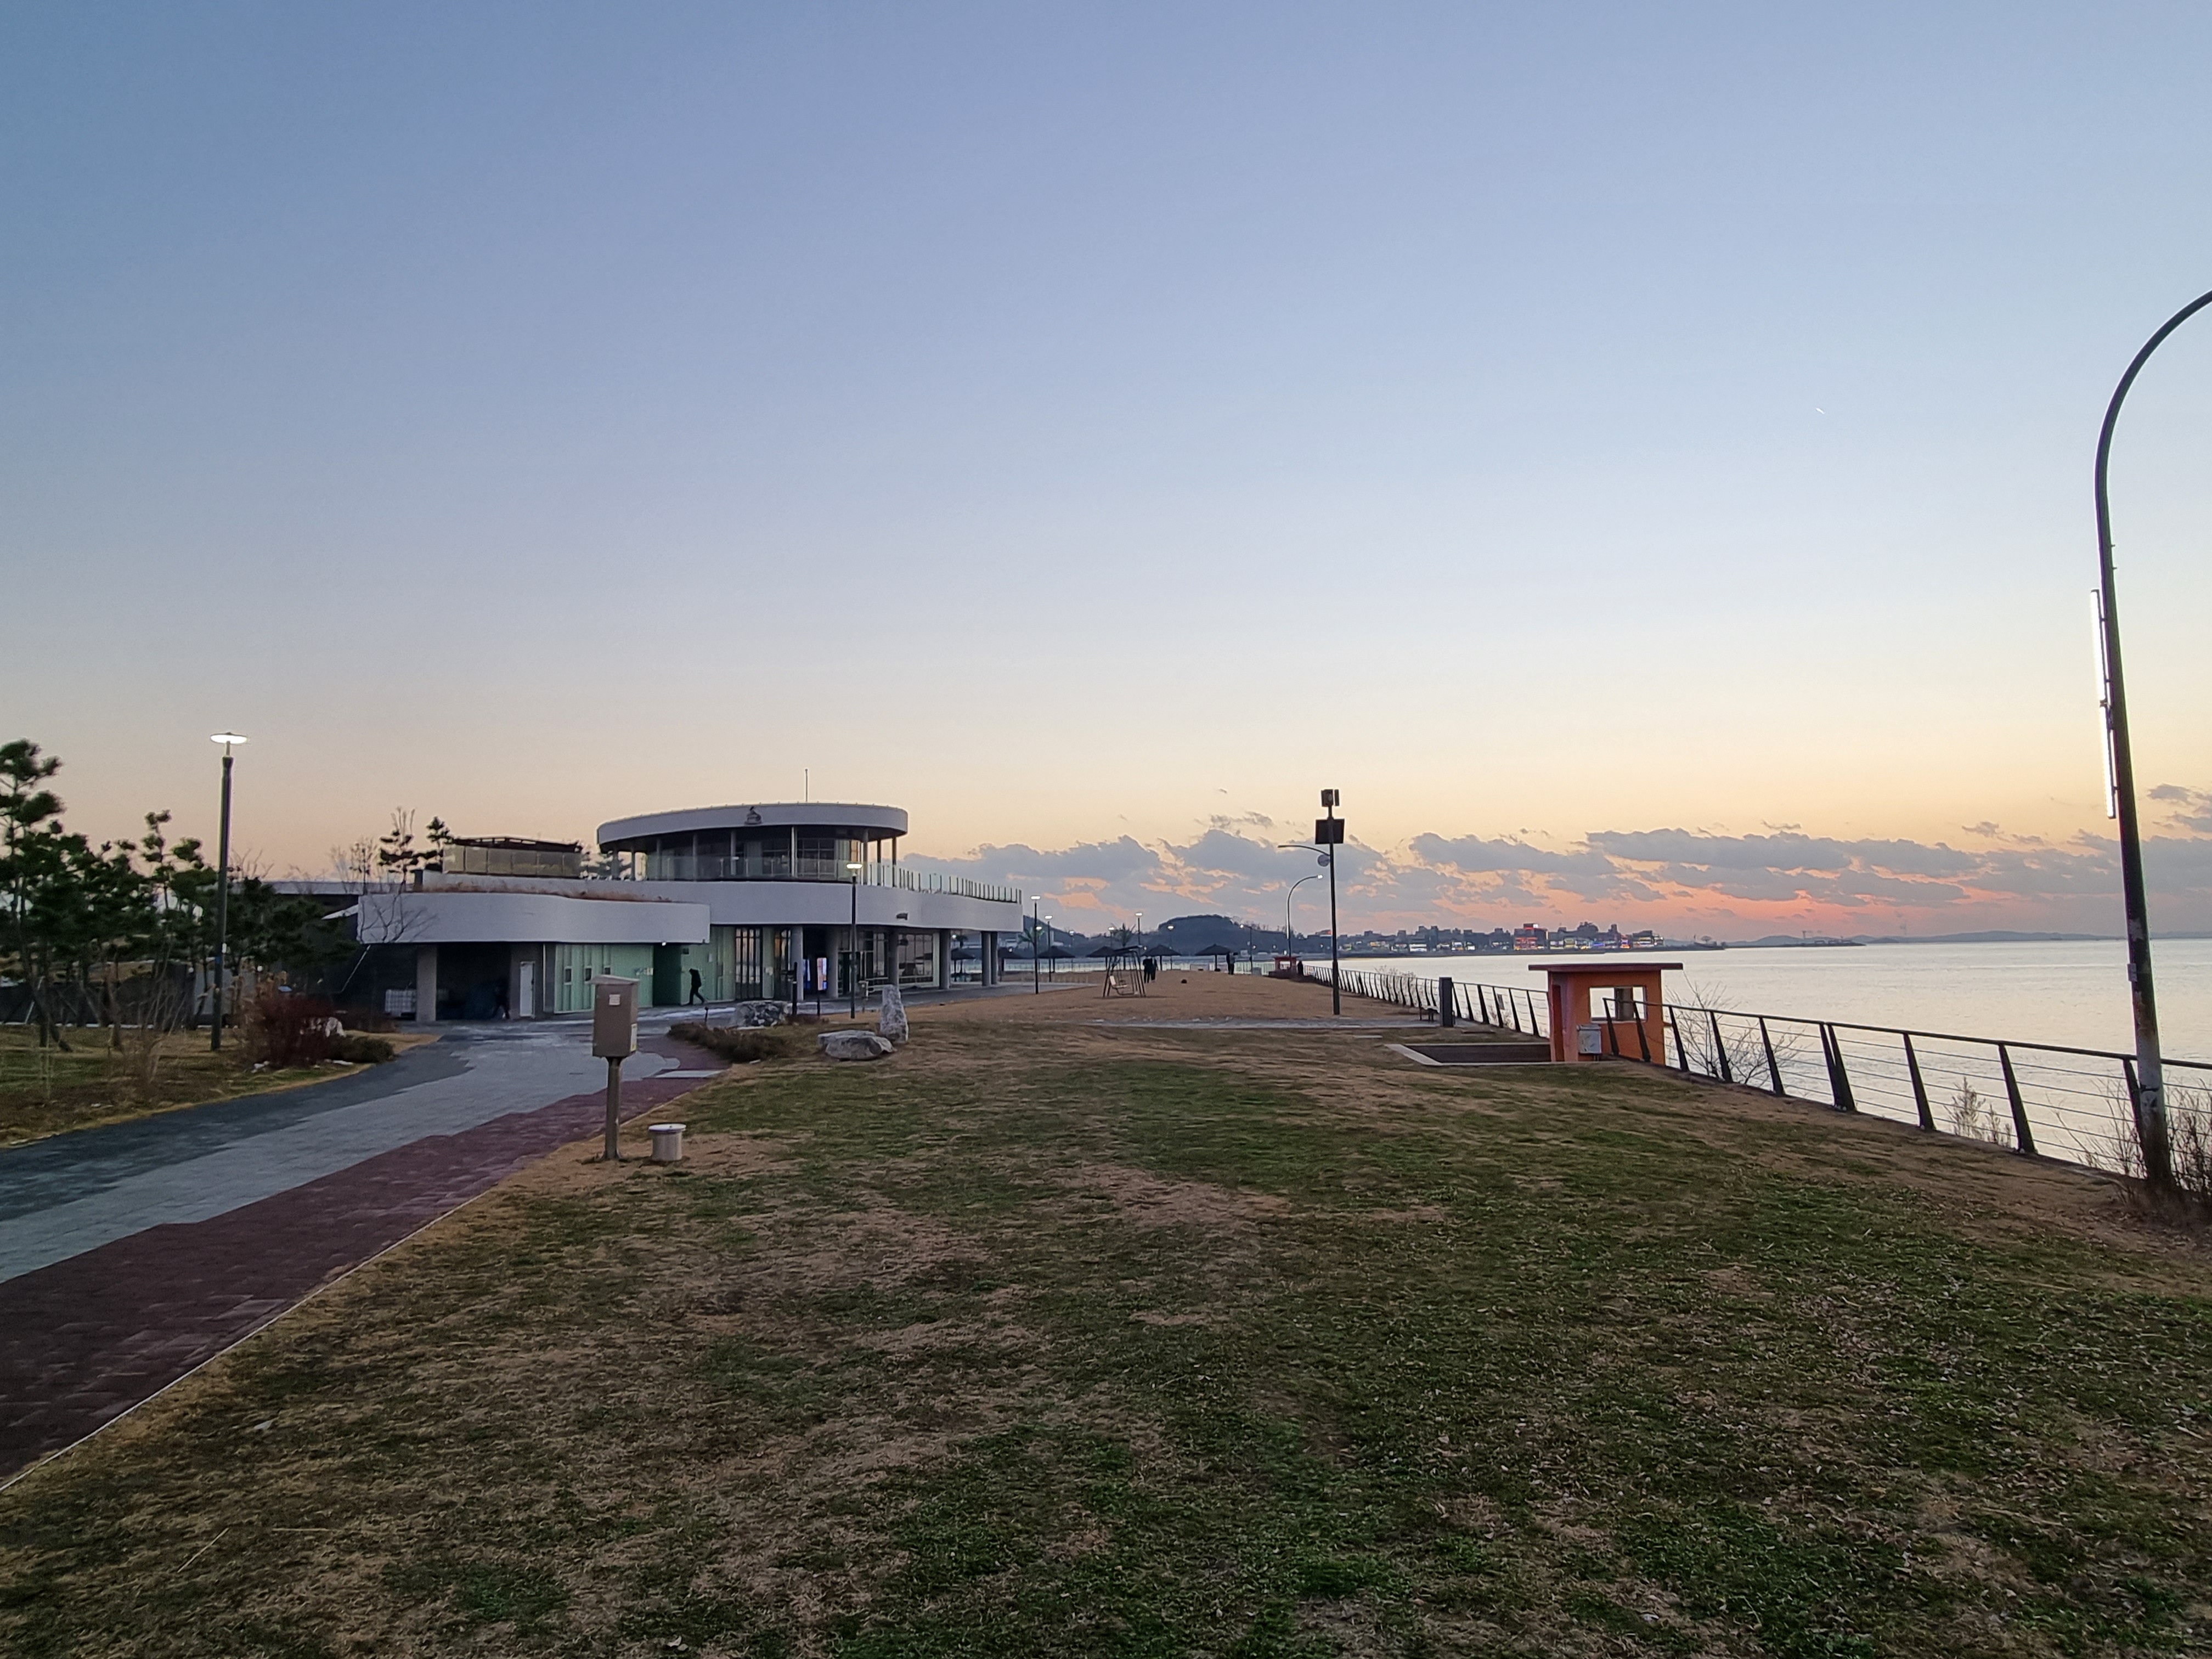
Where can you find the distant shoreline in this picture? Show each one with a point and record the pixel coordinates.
(1772, 942)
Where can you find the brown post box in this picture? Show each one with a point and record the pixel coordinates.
(614, 1016)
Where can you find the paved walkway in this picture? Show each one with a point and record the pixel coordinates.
(131, 1253)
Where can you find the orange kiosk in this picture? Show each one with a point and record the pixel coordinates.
(1632, 1025)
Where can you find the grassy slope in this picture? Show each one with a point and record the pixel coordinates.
(1149, 1343)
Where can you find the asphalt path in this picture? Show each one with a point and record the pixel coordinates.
(133, 1253)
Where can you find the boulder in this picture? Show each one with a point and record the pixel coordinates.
(891, 1018)
(760, 1013)
(853, 1045)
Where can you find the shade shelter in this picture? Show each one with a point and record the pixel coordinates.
(1633, 1023)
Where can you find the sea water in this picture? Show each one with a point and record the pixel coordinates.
(2073, 993)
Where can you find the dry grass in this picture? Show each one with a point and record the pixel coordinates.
(1054, 1336)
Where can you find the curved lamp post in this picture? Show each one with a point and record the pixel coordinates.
(2150, 1073)
(1328, 862)
(223, 884)
(1290, 938)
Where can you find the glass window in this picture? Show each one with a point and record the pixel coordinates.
(967, 959)
(917, 960)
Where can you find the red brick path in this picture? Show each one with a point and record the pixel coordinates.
(84, 1340)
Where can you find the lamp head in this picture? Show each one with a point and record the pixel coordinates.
(226, 739)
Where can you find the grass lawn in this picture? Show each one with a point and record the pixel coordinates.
(45, 1090)
(1048, 1337)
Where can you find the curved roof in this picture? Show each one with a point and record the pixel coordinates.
(826, 814)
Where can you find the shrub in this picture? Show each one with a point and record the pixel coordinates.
(362, 1050)
(742, 1043)
(284, 1029)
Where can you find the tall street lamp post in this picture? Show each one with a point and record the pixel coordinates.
(1329, 831)
(1037, 965)
(1329, 836)
(223, 884)
(2150, 1071)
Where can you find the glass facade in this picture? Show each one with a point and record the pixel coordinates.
(574, 965)
(967, 964)
(762, 855)
(917, 957)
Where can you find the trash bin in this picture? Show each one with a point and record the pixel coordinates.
(667, 1143)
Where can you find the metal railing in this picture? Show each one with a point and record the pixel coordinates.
(2037, 1097)
(926, 881)
(781, 866)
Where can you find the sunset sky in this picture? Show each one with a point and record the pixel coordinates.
(1640, 455)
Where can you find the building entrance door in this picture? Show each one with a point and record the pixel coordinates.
(525, 1001)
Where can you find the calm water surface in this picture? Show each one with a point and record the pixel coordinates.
(2071, 993)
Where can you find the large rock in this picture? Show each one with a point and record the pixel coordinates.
(760, 1013)
(853, 1045)
(891, 1018)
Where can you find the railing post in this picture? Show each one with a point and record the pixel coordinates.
(1720, 1048)
(1643, 1042)
(1513, 1007)
(1681, 1053)
(1840, 1079)
(2021, 1132)
(1773, 1072)
(1919, 1089)
(1447, 1004)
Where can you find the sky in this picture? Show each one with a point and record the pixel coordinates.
(1641, 455)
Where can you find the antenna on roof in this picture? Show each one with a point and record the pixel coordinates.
(806, 783)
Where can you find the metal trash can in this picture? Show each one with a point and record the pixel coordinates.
(667, 1143)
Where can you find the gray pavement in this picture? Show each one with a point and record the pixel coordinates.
(68, 1193)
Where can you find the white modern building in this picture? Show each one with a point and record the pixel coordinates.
(778, 901)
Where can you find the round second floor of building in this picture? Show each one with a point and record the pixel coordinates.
(768, 840)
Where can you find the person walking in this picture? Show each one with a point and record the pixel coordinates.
(697, 995)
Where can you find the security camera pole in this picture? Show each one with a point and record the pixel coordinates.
(1329, 833)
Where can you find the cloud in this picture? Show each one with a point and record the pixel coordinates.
(2191, 808)
(1689, 880)
(1473, 853)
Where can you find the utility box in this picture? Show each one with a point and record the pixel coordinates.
(614, 1016)
(1590, 1042)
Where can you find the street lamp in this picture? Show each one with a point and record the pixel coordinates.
(1329, 836)
(853, 950)
(1289, 946)
(222, 883)
(2149, 1102)
(1035, 984)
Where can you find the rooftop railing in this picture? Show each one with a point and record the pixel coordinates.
(781, 866)
(929, 881)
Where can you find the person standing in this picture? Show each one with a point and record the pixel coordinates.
(697, 994)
